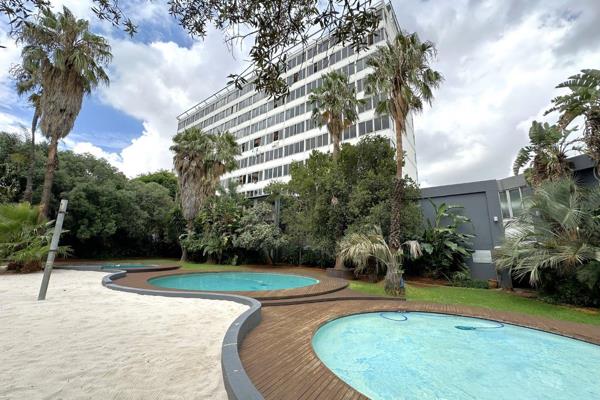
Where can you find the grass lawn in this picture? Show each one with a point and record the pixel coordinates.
(492, 299)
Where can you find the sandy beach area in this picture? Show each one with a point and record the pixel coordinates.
(89, 342)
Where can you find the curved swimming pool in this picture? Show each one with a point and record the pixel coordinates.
(232, 281)
(393, 355)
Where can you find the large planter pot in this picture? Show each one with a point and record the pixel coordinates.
(493, 283)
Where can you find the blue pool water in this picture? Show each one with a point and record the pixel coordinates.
(233, 281)
(422, 356)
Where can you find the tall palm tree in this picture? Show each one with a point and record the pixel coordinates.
(335, 106)
(547, 151)
(361, 248)
(402, 73)
(70, 61)
(583, 100)
(200, 160)
(28, 81)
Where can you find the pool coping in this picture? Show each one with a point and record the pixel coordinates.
(325, 285)
(237, 383)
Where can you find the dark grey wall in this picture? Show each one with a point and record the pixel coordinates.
(482, 206)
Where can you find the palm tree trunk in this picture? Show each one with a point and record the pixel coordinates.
(335, 137)
(394, 283)
(27, 196)
(51, 164)
(398, 193)
(189, 227)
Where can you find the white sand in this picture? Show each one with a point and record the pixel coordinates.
(89, 342)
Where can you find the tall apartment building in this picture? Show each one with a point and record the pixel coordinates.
(273, 134)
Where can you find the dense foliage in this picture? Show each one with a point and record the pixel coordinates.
(25, 242)
(445, 244)
(324, 200)
(555, 243)
(108, 215)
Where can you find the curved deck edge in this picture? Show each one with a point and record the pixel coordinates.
(237, 383)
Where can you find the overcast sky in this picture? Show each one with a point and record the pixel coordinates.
(501, 61)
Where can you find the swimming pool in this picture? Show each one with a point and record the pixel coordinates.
(233, 281)
(392, 355)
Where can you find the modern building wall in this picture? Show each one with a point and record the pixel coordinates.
(273, 134)
(491, 205)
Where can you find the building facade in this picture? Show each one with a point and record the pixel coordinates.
(274, 133)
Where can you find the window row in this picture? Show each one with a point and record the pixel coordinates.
(335, 57)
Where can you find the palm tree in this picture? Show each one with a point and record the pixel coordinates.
(583, 100)
(335, 106)
(548, 153)
(200, 160)
(361, 248)
(70, 62)
(402, 74)
(28, 81)
(557, 231)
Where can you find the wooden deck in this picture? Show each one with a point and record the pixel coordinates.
(325, 286)
(279, 359)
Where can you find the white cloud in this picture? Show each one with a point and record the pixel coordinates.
(157, 81)
(501, 61)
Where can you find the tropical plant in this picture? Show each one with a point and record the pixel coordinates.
(200, 160)
(547, 153)
(556, 235)
(69, 61)
(25, 242)
(402, 74)
(361, 248)
(258, 232)
(335, 106)
(445, 247)
(583, 100)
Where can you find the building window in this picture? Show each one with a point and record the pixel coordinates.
(511, 203)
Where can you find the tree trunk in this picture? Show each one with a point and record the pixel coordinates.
(335, 138)
(394, 283)
(339, 264)
(27, 196)
(397, 195)
(268, 258)
(49, 177)
(190, 230)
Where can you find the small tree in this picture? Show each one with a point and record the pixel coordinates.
(258, 232)
(360, 248)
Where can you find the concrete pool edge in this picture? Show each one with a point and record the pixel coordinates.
(99, 268)
(237, 383)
